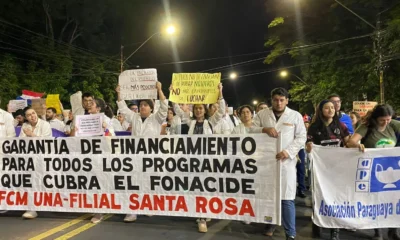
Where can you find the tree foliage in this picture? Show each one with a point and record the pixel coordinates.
(335, 51)
(44, 46)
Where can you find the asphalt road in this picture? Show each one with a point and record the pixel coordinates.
(77, 226)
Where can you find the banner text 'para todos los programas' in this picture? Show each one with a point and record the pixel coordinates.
(205, 176)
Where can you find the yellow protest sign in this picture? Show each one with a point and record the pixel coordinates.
(195, 88)
(53, 100)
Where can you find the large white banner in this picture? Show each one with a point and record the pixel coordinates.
(224, 177)
(356, 190)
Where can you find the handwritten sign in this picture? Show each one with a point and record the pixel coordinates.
(14, 105)
(39, 105)
(89, 125)
(138, 84)
(53, 100)
(362, 107)
(195, 88)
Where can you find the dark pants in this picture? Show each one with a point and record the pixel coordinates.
(301, 171)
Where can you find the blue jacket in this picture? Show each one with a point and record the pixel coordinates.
(344, 118)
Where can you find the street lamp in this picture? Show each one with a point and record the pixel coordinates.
(233, 76)
(169, 30)
(255, 102)
(285, 73)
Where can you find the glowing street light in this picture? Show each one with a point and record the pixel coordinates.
(233, 76)
(284, 74)
(255, 102)
(170, 30)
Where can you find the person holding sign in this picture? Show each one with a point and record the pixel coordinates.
(201, 125)
(326, 130)
(378, 130)
(35, 127)
(144, 123)
(289, 126)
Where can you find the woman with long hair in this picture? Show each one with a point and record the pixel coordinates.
(165, 128)
(355, 119)
(326, 130)
(201, 123)
(378, 130)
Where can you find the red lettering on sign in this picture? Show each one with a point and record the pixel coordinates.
(230, 206)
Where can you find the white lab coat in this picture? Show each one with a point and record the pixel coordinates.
(6, 124)
(240, 129)
(225, 126)
(42, 129)
(294, 136)
(214, 120)
(175, 128)
(151, 126)
(57, 124)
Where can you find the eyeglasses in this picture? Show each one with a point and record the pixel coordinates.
(134, 108)
(336, 102)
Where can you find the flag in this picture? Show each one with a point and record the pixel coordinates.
(107, 132)
(26, 94)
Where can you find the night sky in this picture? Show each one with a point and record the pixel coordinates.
(208, 29)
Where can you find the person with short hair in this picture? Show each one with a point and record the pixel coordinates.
(19, 118)
(289, 123)
(55, 123)
(133, 107)
(145, 122)
(34, 127)
(260, 106)
(344, 118)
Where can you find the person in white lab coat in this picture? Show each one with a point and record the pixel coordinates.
(6, 127)
(6, 124)
(177, 127)
(246, 117)
(145, 122)
(223, 126)
(204, 125)
(289, 123)
(34, 127)
(55, 123)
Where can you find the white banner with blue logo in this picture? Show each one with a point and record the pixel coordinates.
(356, 190)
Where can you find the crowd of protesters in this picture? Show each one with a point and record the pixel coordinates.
(328, 127)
